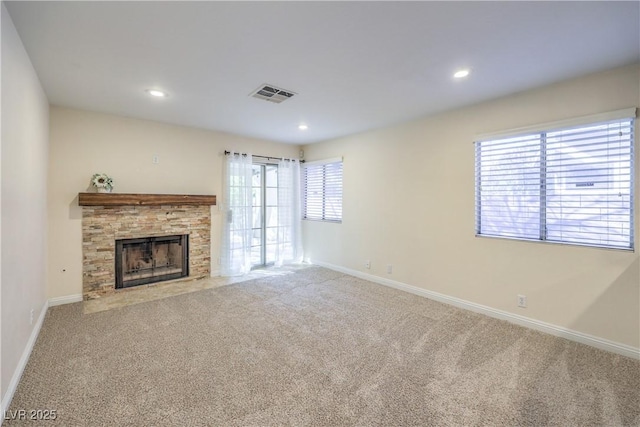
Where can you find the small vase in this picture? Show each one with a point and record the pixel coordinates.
(104, 190)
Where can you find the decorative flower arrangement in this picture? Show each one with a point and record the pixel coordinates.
(102, 182)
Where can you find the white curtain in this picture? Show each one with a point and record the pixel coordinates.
(289, 241)
(235, 254)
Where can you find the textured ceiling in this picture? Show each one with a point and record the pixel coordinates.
(354, 66)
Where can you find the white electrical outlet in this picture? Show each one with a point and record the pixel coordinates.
(31, 317)
(367, 264)
(155, 159)
(389, 269)
(522, 301)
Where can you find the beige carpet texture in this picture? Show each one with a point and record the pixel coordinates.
(315, 348)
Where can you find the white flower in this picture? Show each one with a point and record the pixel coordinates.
(102, 180)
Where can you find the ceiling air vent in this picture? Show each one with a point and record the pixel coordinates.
(272, 93)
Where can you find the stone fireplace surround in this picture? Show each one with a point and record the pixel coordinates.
(104, 221)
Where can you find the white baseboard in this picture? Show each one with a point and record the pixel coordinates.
(538, 325)
(22, 363)
(68, 299)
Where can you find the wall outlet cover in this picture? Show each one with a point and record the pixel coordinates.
(522, 301)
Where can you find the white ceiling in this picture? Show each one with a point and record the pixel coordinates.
(354, 65)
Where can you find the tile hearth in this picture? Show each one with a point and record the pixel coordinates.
(155, 291)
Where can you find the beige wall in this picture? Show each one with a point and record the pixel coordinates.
(409, 202)
(83, 143)
(25, 140)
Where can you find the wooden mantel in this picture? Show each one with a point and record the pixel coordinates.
(128, 199)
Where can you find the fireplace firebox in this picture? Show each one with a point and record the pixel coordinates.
(151, 259)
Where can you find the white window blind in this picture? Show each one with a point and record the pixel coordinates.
(322, 191)
(571, 185)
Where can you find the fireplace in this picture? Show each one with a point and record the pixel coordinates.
(151, 259)
(136, 217)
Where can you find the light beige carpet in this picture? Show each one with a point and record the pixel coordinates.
(316, 348)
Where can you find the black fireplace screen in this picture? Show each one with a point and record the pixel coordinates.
(151, 259)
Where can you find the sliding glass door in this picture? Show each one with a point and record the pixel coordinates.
(261, 214)
(265, 214)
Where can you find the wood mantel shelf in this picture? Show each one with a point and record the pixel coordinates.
(128, 199)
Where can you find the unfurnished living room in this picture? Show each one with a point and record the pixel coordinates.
(320, 213)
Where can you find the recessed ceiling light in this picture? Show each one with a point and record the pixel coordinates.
(157, 93)
(461, 73)
(302, 126)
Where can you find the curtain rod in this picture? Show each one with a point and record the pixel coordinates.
(226, 153)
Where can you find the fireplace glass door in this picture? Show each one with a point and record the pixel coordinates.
(151, 259)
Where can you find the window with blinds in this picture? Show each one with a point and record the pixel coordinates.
(570, 185)
(322, 191)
